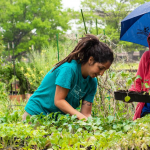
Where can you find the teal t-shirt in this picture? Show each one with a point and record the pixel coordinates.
(68, 76)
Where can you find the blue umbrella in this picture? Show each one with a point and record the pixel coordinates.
(136, 26)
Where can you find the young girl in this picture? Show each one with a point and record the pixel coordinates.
(71, 80)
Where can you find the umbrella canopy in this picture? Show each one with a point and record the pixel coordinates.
(136, 26)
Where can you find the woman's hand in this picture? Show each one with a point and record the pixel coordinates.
(82, 117)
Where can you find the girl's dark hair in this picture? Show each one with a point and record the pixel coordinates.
(86, 47)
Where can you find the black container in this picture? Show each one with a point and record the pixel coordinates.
(134, 96)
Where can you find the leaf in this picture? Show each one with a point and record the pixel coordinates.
(89, 119)
(124, 74)
(98, 121)
(146, 85)
(91, 139)
(113, 74)
(97, 132)
(127, 127)
(127, 98)
(59, 129)
(138, 77)
(110, 118)
(144, 146)
(114, 126)
(133, 78)
(129, 81)
(79, 130)
(100, 128)
(83, 119)
(28, 118)
(70, 128)
(73, 117)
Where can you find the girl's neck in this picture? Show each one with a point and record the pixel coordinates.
(84, 70)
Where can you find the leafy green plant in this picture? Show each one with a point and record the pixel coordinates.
(3, 92)
(38, 66)
(29, 74)
(57, 131)
(8, 77)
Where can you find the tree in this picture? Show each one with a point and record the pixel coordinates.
(31, 22)
(109, 14)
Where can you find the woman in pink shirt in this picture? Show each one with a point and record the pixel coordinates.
(144, 71)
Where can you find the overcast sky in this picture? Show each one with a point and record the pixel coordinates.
(74, 4)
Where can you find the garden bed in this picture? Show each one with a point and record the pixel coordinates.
(67, 132)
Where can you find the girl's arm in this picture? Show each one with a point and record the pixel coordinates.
(63, 105)
(86, 108)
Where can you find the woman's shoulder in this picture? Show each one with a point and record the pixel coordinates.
(145, 57)
(70, 65)
(146, 54)
(67, 67)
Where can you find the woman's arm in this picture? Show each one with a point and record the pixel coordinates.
(63, 105)
(86, 108)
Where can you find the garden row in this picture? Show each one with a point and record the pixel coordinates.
(57, 131)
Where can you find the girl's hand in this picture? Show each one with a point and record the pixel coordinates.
(82, 117)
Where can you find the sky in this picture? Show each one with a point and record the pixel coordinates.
(74, 4)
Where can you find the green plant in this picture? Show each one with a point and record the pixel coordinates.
(38, 66)
(8, 76)
(56, 131)
(29, 74)
(3, 92)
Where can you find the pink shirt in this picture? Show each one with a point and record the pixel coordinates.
(144, 72)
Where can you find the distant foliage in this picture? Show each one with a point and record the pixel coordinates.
(31, 22)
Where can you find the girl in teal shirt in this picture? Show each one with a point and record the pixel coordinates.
(71, 80)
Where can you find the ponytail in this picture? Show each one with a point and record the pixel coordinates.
(86, 47)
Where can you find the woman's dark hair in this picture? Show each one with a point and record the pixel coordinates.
(89, 46)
